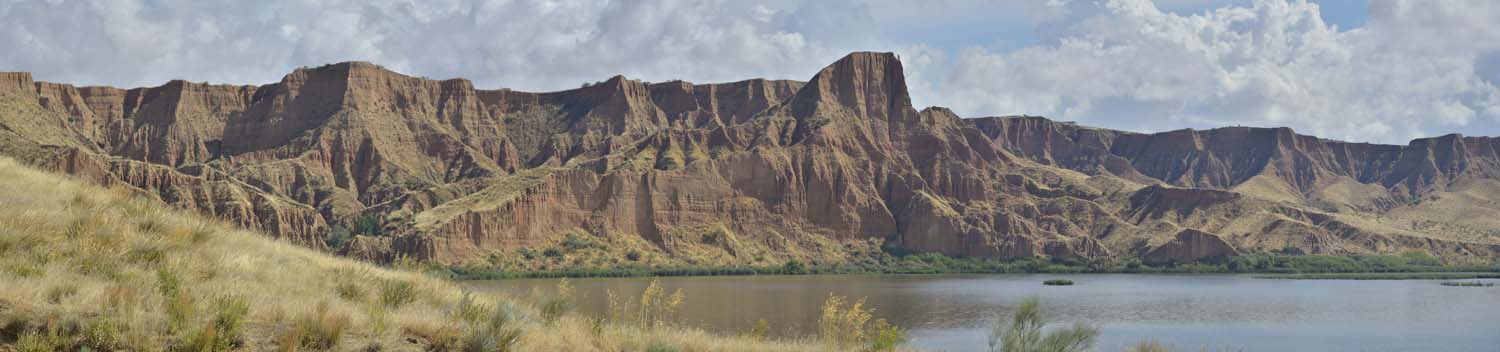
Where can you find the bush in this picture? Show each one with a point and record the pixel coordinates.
(552, 252)
(1024, 334)
(633, 255)
(840, 326)
(338, 237)
(885, 336)
(573, 243)
(794, 267)
(103, 334)
(34, 341)
(761, 330)
(368, 224)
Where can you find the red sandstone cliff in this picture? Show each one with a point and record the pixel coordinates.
(754, 171)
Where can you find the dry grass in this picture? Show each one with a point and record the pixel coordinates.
(82, 266)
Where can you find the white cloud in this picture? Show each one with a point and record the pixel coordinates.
(1410, 72)
(526, 44)
(1415, 68)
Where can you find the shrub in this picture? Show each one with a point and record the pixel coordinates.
(1024, 334)
(338, 237)
(397, 293)
(573, 242)
(794, 267)
(368, 224)
(843, 326)
(103, 334)
(34, 341)
(633, 255)
(552, 252)
(885, 336)
(761, 329)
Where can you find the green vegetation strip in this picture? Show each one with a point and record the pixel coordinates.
(1469, 284)
(1384, 267)
(1384, 276)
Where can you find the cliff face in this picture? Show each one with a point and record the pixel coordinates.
(747, 172)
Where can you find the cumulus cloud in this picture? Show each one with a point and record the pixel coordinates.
(528, 44)
(1410, 72)
(1416, 68)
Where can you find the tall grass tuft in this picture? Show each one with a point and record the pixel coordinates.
(469, 311)
(760, 330)
(554, 306)
(397, 293)
(499, 334)
(842, 326)
(320, 329)
(1024, 333)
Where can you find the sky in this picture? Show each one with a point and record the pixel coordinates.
(1382, 71)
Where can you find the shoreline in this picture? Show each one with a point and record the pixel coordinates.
(1369, 267)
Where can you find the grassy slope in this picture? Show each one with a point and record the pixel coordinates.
(90, 263)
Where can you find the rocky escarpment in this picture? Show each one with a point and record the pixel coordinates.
(749, 172)
(1228, 157)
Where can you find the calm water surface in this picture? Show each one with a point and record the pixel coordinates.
(1190, 312)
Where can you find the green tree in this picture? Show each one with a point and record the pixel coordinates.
(794, 267)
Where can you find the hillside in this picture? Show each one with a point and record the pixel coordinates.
(102, 269)
(359, 160)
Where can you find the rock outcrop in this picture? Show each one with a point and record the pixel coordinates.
(749, 172)
(1190, 246)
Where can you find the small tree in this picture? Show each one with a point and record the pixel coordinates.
(368, 224)
(338, 237)
(1024, 334)
(794, 267)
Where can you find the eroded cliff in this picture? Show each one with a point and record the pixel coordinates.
(749, 172)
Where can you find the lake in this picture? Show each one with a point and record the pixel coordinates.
(1188, 312)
